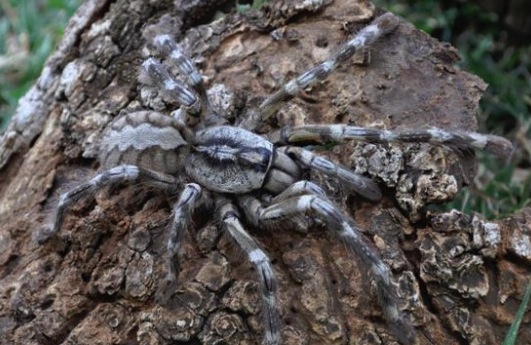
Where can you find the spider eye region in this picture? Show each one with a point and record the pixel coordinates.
(219, 153)
(229, 159)
(255, 158)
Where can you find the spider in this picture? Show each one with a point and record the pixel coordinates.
(252, 179)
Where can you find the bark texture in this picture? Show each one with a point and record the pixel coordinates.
(460, 277)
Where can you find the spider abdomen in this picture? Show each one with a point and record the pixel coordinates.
(229, 159)
(147, 139)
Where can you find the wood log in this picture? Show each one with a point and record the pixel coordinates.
(460, 277)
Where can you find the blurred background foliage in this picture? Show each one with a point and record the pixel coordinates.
(493, 38)
(29, 31)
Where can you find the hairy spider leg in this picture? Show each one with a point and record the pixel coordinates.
(300, 222)
(153, 72)
(458, 139)
(166, 45)
(302, 187)
(282, 214)
(362, 40)
(268, 286)
(361, 185)
(189, 199)
(130, 174)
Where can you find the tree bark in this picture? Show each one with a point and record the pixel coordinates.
(460, 278)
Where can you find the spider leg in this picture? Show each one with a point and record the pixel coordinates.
(268, 286)
(120, 174)
(280, 216)
(360, 184)
(459, 139)
(362, 40)
(252, 206)
(153, 72)
(300, 188)
(182, 212)
(167, 46)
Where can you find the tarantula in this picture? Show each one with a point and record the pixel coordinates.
(252, 179)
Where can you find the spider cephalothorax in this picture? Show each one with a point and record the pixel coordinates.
(253, 180)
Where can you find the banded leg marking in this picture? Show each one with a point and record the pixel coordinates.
(279, 215)
(459, 139)
(167, 46)
(300, 188)
(268, 285)
(361, 185)
(363, 39)
(153, 72)
(130, 174)
(253, 208)
(182, 214)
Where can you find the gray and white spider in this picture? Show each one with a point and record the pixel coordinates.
(252, 179)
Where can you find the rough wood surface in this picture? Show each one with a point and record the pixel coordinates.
(461, 278)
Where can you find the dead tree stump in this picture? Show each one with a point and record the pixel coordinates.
(460, 277)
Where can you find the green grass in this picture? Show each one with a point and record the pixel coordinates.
(512, 335)
(502, 186)
(29, 31)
